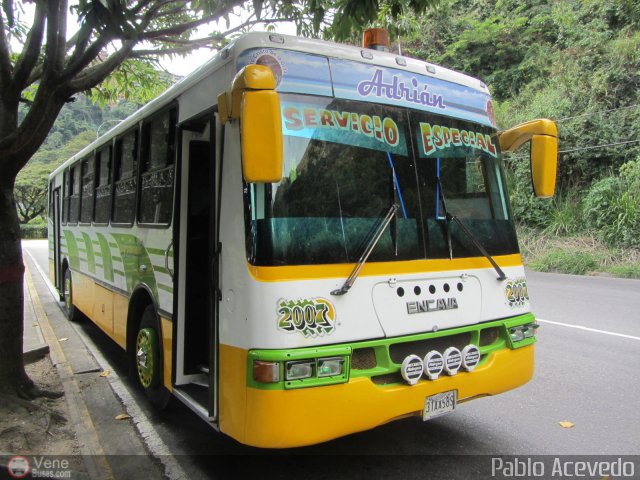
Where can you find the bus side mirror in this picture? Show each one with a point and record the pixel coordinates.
(254, 101)
(543, 135)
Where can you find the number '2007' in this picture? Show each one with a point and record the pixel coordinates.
(302, 317)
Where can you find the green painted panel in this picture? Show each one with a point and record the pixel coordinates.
(105, 252)
(384, 363)
(72, 246)
(91, 260)
(134, 256)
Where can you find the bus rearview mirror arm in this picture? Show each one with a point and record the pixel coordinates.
(543, 135)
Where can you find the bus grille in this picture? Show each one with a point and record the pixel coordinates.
(363, 359)
(488, 336)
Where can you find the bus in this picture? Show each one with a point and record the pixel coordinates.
(302, 239)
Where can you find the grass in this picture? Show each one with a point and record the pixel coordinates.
(584, 254)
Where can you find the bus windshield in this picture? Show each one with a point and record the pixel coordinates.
(346, 163)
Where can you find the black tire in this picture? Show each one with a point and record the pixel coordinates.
(146, 359)
(73, 314)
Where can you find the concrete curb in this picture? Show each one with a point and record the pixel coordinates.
(152, 441)
(92, 453)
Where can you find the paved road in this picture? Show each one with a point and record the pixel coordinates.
(586, 373)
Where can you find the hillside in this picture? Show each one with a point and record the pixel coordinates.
(577, 62)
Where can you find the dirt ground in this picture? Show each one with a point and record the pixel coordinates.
(39, 427)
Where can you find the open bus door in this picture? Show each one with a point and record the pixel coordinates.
(197, 282)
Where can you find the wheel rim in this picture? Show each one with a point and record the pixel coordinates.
(67, 292)
(146, 346)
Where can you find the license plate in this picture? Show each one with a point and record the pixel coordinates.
(439, 404)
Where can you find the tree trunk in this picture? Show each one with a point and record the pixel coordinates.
(12, 374)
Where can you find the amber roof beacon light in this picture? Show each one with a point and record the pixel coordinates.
(376, 39)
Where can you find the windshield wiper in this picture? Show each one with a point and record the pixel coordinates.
(373, 241)
(448, 217)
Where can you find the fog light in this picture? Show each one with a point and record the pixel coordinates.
(266, 372)
(299, 369)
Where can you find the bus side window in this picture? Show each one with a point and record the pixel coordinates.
(126, 180)
(86, 204)
(74, 190)
(102, 207)
(157, 158)
(66, 189)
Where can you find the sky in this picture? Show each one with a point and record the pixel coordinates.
(182, 66)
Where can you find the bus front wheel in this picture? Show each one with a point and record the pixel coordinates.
(147, 360)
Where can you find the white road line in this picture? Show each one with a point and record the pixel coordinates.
(150, 436)
(595, 330)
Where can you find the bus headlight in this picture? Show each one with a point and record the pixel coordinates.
(522, 332)
(299, 369)
(329, 367)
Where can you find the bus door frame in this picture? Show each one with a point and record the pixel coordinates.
(181, 243)
(56, 238)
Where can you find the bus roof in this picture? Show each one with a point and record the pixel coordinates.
(256, 40)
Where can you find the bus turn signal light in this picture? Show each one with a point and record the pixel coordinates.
(266, 372)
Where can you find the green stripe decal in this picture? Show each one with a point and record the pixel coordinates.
(159, 251)
(134, 255)
(72, 246)
(161, 269)
(106, 257)
(91, 261)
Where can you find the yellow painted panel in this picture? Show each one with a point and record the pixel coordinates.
(52, 271)
(82, 293)
(120, 311)
(302, 272)
(167, 341)
(103, 308)
(291, 418)
(233, 390)
(261, 147)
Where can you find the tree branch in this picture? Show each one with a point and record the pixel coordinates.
(186, 45)
(56, 36)
(5, 55)
(93, 75)
(183, 27)
(31, 52)
(89, 55)
(81, 40)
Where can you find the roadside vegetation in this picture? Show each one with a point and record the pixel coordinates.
(578, 63)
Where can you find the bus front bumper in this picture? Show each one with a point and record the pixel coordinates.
(293, 418)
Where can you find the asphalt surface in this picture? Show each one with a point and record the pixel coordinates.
(588, 358)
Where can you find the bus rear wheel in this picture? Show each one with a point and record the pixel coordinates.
(147, 360)
(67, 286)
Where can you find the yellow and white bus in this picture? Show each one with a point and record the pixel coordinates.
(302, 239)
